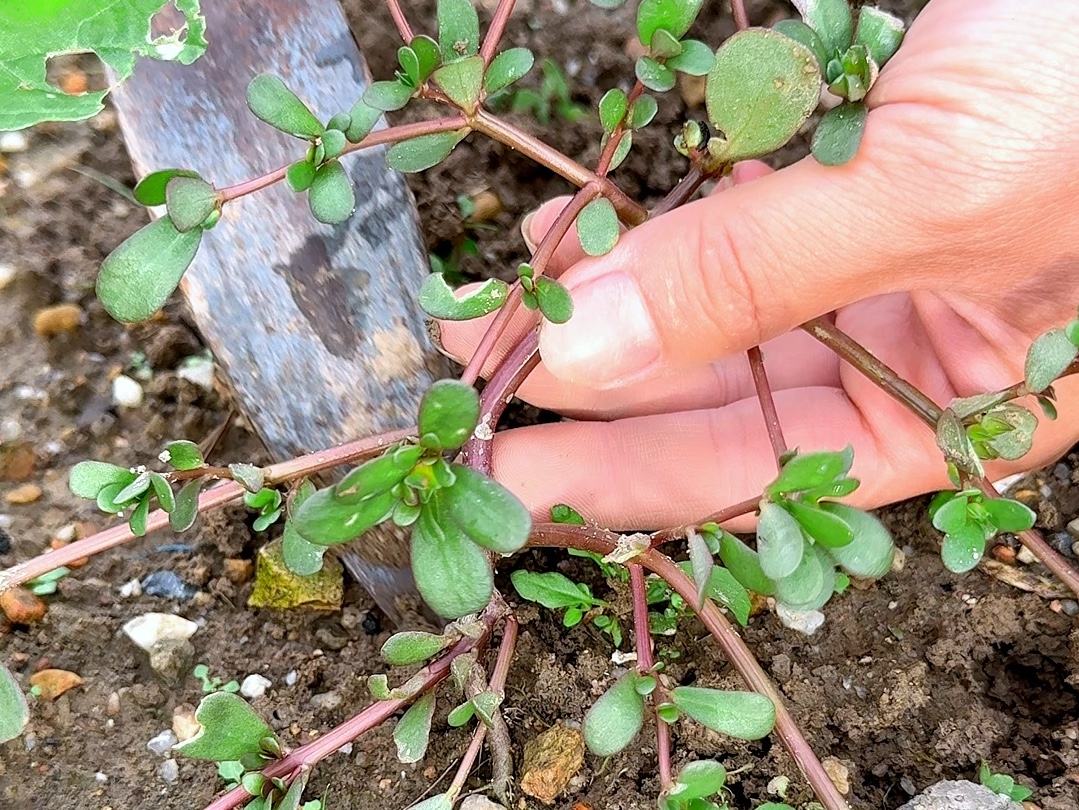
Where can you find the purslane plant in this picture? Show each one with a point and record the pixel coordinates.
(762, 87)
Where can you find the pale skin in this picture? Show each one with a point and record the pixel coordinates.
(945, 247)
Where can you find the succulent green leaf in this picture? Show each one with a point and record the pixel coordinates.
(387, 96)
(879, 32)
(824, 527)
(1049, 356)
(780, 543)
(554, 300)
(486, 511)
(271, 101)
(186, 510)
(438, 300)
(461, 714)
(761, 89)
(655, 75)
(643, 111)
(331, 196)
(962, 550)
(33, 32)
(88, 478)
(869, 555)
(664, 45)
(699, 780)
(137, 522)
(616, 718)
(832, 21)
(955, 444)
(806, 470)
(414, 730)
(695, 59)
(230, 729)
(449, 410)
(151, 189)
(300, 556)
(508, 67)
(1015, 442)
(324, 520)
(675, 16)
(165, 497)
(106, 499)
(362, 119)
(138, 277)
(410, 65)
(486, 705)
(251, 476)
(950, 512)
(440, 802)
(340, 122)
(294, 795)
(452, 573)
(421, 153)
(811, 584)
(461, 80)
(14, 713)
(1008, 515)
(612, 109)
(800, 32)
(744, 565)
(551, 589)
(567, 515)
(378, 475)
(184, 455)
(701, 563)
(597, 227)
(334, 142)
(413, 646)
(745, 715)
(725, 589)
(428, 54)
(134, 489)
(190, 201)
(839, 134)
(458, 29)
(300, 175)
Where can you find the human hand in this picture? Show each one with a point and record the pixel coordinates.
(946, 246)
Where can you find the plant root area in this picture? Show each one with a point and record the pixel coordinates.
(916, 679)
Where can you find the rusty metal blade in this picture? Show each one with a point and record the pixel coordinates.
(316, 327)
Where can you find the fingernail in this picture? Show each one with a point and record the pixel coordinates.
(526, 231)
(609, 341)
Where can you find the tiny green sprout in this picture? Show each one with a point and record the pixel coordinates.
(969, 520)
(567, 515)
(552, 98)
(46, 584)
(210, 684)
(1003, 784)
(696, 781)
(36, 692)
(269, 505)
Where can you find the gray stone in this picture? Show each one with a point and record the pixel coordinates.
(960, 796)
(162, 743)
(169, 771)
(326, 701)
(171, 659)
(478, 802)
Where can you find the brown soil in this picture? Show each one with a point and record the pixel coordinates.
(911, 681)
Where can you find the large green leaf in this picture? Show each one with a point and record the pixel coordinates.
(230, 729)
(449, 412)
(745, 715)
(452, 573)
(616, 718)
(869, 555)
(324, 520)
(414, 729)
(780, 542)
(14, 713)
(139, 276)
(761, 89)
(271, 101)
(487, 512)
(32, 31)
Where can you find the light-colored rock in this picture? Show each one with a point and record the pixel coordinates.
(171, 659)
(131, 589)
(184, 724)
(197, 370)
(478, 802)
(8, 272)
(149, 628)
(255, 686)
(169, 771)
(960, 796)
(126, 392)
(806, 622)
(162, 743)
(11, 142)
(551, 760)
(23, 495)
(52, 683)
(57, 320)
(838, 773)
(326, 701)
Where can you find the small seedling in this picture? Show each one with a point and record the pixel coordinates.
(1003, 784)
(210, 684)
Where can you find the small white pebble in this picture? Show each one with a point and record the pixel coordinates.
(130, 590)
(162, 743)
(6, 521)
(806, 622)
(7, 274)
(198, 370)
(126, 392)
(618, 657)
(14, 141)
(101, 778)
(255, 686)
(290, 679)
(345, 749)
(10, 430)
(893, 605)
(65, 534)
(1026, 556)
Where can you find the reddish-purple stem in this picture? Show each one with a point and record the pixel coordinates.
(497, 29)
(220, 495)
(642, 637)
(741, 18)
(720, 517)
(768, 405)
(399, 19)
(600, 541)
(396, 134)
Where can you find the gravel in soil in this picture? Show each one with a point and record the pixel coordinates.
(916, 679)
